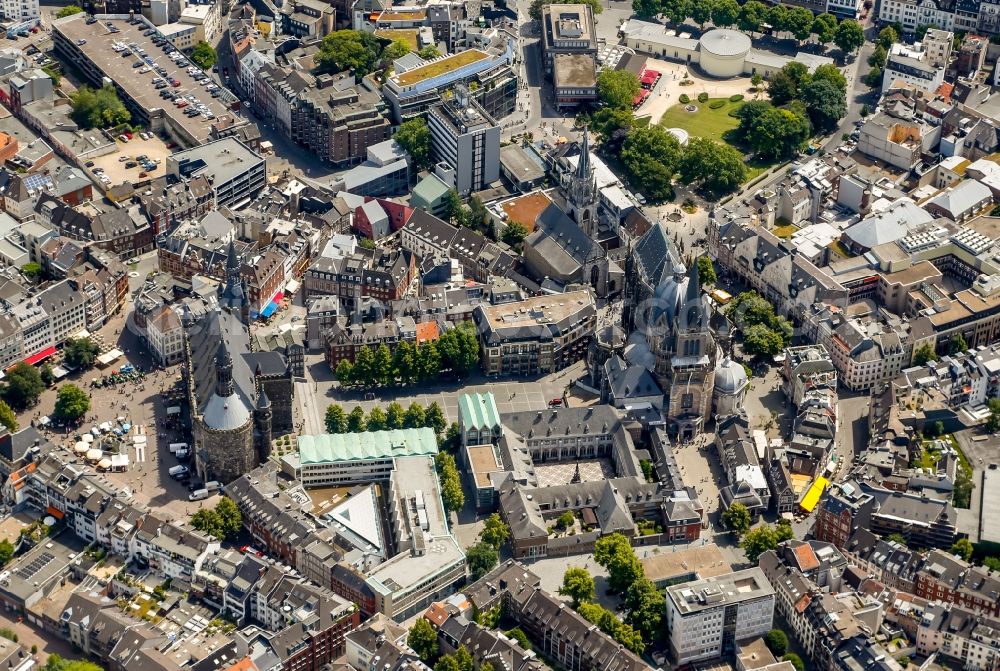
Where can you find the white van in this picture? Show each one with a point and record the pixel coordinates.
(198, 495)
(213, 485)
(177, 446)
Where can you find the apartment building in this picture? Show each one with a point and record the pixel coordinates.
(538, 335)
(466, 139)
(707, 618)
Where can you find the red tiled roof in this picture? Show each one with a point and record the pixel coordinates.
(805, 557)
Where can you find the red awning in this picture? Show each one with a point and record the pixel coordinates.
(277, 297)
(40, 356)
(649, 76)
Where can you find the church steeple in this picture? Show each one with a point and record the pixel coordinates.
(232, 268)
(223, 371)
(582, 190)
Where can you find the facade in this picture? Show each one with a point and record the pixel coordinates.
(234, 171)
(467, 140)
(707, 618)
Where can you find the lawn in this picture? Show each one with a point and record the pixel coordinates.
(706, 122)
(440, 67)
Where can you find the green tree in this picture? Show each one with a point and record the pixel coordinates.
(31, 270)
(645, 8)
(612, 126)
(429, 52)
(701, 12)
(777, 642)
(47, 374)
(344, 372)
(957, 344)
(756, 80)
(452, 438)
(518, 635)
(799, 22)
(68, 10)
(773, 132)
(376, 420)
(924, 354)
(383, 372)
(348, 50)
(832, 74)
(22, 386)
(785, 84)
(7, 417)
(824, 27)
(481, 558)
(757, 541)
(578, 585)
(451, 484)
(849, 36)
(878, 56)
(429, 361)
(404, 361)
(415, 137)
(415, 416)
(535, 9)
(826, 103)
(962, 548)
(614, 553)
(565, 521)
(783, 530)
(646, 605)
(612, 626)
(725, 13)
(992, 563)
(759, 340)
(651, 156)
(777, 18)
(962, 495)
(993, 421)
(887, 37)
(434, 418)
(897, 538)
(423, 640)
(495, 531)
(617, 88)
(706, 271)
(718, 168)
(56, 663)
(676, 10)
(795, 660)
(364, 372)
(335, 419)
(204, 56)
(752, 16)
(873, 78)
(72, 403)
(737, 519)
(80, 352)
(395, 49)
(395, 416)
(514, 233)
(207, 521)
(356, 420)
(230, 519)
(98, 108)
(6, 551)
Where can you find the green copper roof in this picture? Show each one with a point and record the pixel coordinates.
(430, 189)
(330, 447)
(478, 411)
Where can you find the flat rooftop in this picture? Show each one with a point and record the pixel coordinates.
(719, 591)
(98, 50)
(990, 506)
(484, 460)
(574, 70)
(440, 67)
(525, 209)
(705, 561)
(537, 310)
(224, 159)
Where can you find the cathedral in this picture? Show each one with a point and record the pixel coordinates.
(239, 398)
(673, 328)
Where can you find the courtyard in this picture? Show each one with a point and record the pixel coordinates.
(712, 118)
(591, 470)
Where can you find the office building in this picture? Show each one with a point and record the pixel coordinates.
(466, 139)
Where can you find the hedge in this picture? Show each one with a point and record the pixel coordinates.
(736, 98)
(716, 104)
(702, 97)
(685, 98)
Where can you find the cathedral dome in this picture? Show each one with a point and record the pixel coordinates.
(730, 377)
(225, 413)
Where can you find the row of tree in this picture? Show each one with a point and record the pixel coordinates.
(886, 38)
(757, 540)
(393, 417)
(456, 350)
(764, 332)
(452, 496)
(98, 108)
(753, 16)
(362, 52)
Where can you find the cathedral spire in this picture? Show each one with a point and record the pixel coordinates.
(583, 166)
(223, 371)
(694, 282)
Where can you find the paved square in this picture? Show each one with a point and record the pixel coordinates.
(550, 475)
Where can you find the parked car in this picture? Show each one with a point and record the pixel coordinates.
(131, 164)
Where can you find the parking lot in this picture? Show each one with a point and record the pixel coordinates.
(116, 169)
(102, 48)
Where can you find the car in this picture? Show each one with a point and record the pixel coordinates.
(122, 159)
(89, 164)
(175, 82)
(131, 164)
(555, 403)
(80, 42)
(123, 137)
(143, 174)
(128, 134)
(181, 103)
